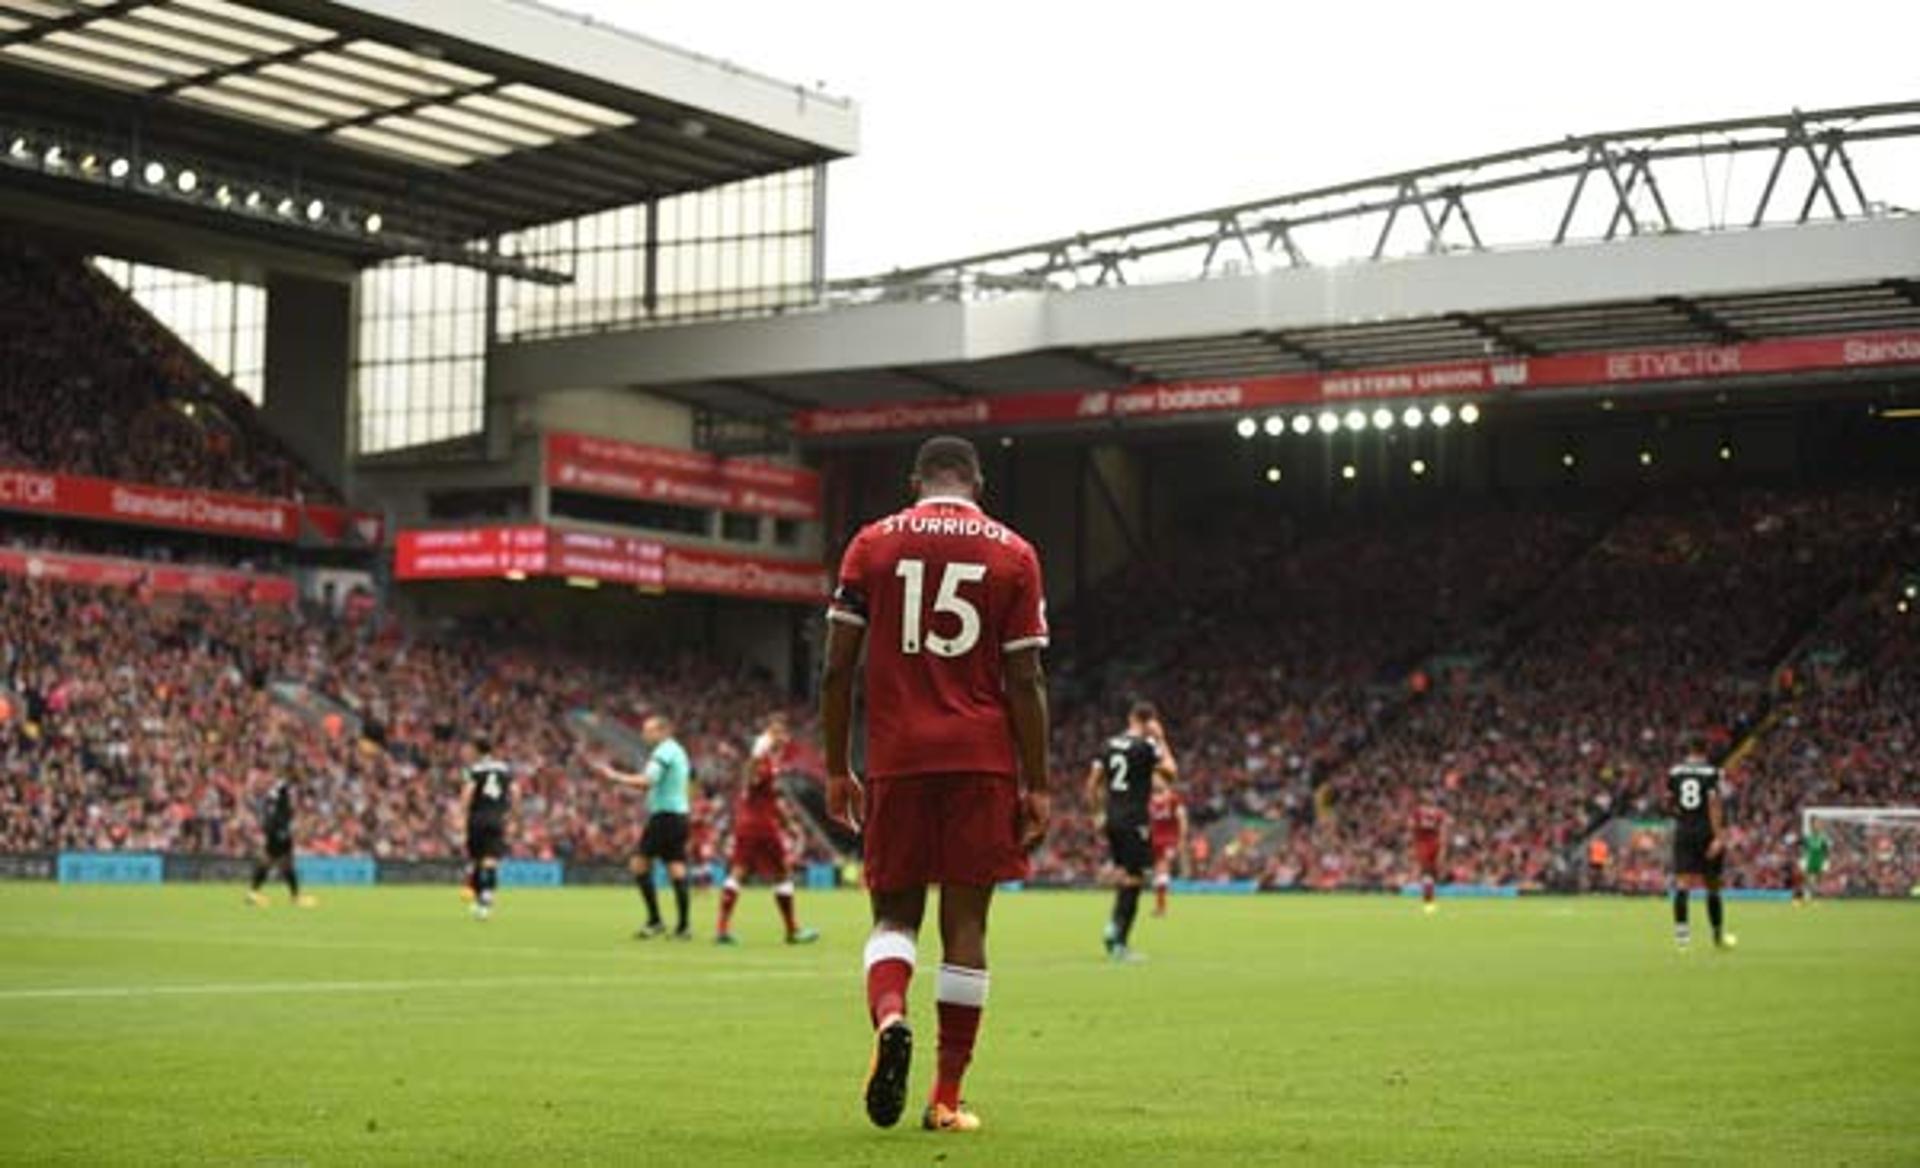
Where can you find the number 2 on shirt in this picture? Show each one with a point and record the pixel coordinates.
(913, 574)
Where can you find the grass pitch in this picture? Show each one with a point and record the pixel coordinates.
(172, 1025)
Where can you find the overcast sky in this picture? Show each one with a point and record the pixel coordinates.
(995, 122)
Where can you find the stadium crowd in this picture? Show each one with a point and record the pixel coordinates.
(1534, 670)
(154, 725)
(91, 385)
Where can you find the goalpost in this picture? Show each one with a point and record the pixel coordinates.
(1874, 851)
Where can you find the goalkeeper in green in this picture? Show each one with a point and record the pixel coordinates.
(1814, 847)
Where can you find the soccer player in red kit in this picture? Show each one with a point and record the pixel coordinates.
(762, 825)
(1429, 847)
(1167, 817)
(949, 607)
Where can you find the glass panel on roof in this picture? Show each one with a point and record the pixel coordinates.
(253, 107)
(454, 116)
(366, 95)
(299, 98)
(526, 115)
(86, 66)
(412, 83)
(196, 53)
(265, 21)
(219, 33)
(414, 127)
(416, 63)
(35, 8)
(573, 107)
(405, 147)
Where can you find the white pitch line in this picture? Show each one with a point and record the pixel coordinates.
(270, 988)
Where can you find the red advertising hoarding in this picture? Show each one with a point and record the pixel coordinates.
(689, 478)
(1464, 378)
(182, 508)
(474, 553)
(171, 579)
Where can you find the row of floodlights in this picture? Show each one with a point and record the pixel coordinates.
(1440, 415)
(184, 182)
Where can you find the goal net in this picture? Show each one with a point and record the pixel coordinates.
(1871, 851)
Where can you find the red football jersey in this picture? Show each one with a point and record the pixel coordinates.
(757, 810)
(943, 591)
(1163, 812)
(1427, 822)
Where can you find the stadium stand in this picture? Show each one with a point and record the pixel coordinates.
(1315, 689)
(92, 385)
(153, 725)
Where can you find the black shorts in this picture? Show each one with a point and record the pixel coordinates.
(279, 847)
(486, 838)
(1690, 856)
(1132, 847)
(665, 838)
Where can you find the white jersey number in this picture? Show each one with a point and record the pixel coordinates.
(947, 599)
(1117, 772)
(491, 786)
(1690, 794)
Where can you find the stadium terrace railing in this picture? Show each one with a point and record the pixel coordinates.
(1794, 167)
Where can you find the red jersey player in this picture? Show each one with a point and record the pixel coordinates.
(1429, 847)
(948, 605)
(762, 825)
(1167, 816)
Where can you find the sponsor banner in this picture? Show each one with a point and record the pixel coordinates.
(724, 574)
(1466, 891)
(1463, 378)
(688, 478)
(108, 868)
(531, 874)
(171, 579)
(334, 869)
(482, 552)
(182, 508)
(467, 553)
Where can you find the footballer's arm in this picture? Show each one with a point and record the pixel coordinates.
(1717, 817)
(613, 774)
(1096, 777)
(836, 718)
(1026, 685)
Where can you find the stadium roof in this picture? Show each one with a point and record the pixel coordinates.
(1597, 242)
(452, 119)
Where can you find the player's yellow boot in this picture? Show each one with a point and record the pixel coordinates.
(258, 899)
(307, 900)
(940, 1118)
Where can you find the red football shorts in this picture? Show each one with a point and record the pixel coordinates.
(1428, 857)
(1165, 847)
(942, 829)
(760, 855)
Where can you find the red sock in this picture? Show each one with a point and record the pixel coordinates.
(1160, 896)
(890, 958)
(783, 896)
(1426, 890)
(729, 896)
(962, 997)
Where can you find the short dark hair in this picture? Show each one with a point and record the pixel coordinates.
(1143, 711)
(947, 456)
(483, 744)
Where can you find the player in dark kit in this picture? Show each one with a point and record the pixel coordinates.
(275, 813)
(1125, 770)
(489, 798)
(948, 606)
(1699, 842)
